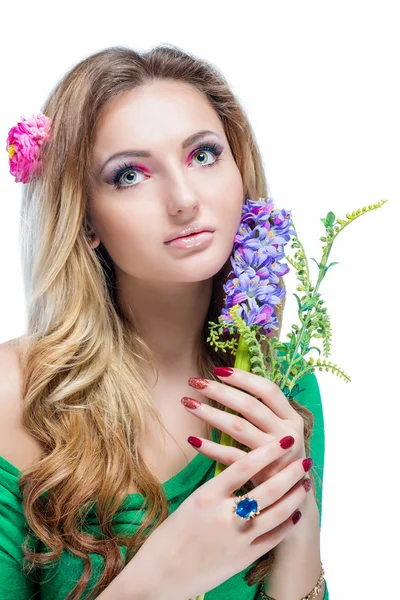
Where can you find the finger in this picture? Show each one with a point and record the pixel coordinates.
(273, 536)
(274, 488)
(263, 388)
(237, 474)
(252, 409)
(226, 455)
(238, 428)
(276, 521)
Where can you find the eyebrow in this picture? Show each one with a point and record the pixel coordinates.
(146, 154)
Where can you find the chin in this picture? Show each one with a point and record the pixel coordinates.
(204, 269)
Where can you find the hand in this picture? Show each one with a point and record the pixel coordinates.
(273, 416)
(203, 543)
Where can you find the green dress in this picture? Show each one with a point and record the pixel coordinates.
(58, 580)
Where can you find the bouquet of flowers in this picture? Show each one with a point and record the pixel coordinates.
(252, 293)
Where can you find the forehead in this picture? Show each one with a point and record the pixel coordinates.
(157, 113)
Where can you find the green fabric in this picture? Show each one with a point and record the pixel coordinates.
(58, 580)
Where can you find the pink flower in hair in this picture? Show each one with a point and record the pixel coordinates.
(23, 145)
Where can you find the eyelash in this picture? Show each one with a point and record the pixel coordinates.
(124, 168)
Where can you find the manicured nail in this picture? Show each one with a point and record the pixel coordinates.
(296, 517)
(306, 483)
(194, 441)
(198, 383)
(307, 464)
(287, 441)
(223, 371)
(190, 402)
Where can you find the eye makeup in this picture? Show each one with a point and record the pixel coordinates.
(125, 168)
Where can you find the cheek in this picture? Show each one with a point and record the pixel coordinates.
(229, 216)
(127, 235)
(231, 202)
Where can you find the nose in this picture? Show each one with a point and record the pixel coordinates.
(184, 206)
(183, 199)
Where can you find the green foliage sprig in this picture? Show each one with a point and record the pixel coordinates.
(286, 363)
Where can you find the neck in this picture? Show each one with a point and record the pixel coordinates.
(170, 318)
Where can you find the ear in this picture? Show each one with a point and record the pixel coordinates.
(88, 229)
(93, 240)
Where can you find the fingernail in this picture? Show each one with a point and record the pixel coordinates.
(307, 463)
(223, 371)
(306, 483)
(296, 517)
(194, 441)
(190, 402)
(287, 441)
(198, 383)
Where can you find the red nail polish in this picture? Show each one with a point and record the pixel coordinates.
(190, 402)
(307, 464)
(296, 517)
(223, 371)
(194, 441)
(198, 383)
(287, 441)
(306, 483)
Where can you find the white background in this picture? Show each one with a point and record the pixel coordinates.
(320, 83)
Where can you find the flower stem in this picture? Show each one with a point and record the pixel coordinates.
(321, 275)
(242, 361)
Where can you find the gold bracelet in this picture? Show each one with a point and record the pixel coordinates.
(314, 592)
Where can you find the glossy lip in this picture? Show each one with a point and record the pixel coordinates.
(197, 227)
(198, 240)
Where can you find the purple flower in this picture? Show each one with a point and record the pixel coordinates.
(253, 282)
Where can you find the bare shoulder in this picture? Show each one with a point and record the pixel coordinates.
(17, 446)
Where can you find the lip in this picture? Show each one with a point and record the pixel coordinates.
(194, 228)
(197, 240)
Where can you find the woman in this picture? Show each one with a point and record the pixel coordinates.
(142, 148)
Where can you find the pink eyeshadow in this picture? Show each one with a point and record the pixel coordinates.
(143, 168)
(189, 157)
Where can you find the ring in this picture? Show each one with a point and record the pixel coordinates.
(246, 507)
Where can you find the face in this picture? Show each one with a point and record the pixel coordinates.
(137, 202)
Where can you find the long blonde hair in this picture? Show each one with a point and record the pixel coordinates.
(85, 396)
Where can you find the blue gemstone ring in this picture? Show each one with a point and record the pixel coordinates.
(246, 507)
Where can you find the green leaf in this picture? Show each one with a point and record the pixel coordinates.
(295, 391)
(306, 338)
(315, 348)
(281, 348)
(298, 300)
(330, 219)
(309, 304)
(317, 263)
(313, 301)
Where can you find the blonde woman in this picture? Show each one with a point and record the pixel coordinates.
(102, 495)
